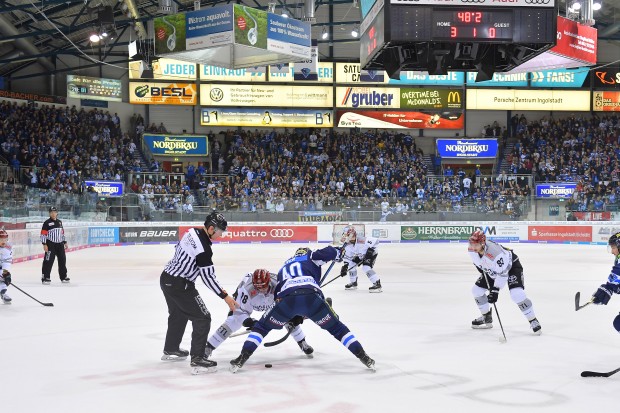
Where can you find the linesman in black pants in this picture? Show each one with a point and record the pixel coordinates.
(193, 258)
(54, 245)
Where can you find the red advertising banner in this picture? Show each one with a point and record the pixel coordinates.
(606, 101)
(267, 233)
(593, 216)
(576, 41)
(390, 119)
(559, 233)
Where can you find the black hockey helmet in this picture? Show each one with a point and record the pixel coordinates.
(615, 240)
(216, 220)
(53, 209)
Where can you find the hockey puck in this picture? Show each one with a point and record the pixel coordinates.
(268, 365)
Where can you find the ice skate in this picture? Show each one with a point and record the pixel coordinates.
(237, 363)
(201, 365)
(366, 360)
(376, 287)
(46, 281)
(66, 280)
(306, 348)
(7, 300)
(351, 286)
(484, 321)
(536, 327)
(175, 355)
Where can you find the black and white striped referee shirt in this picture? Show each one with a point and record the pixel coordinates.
(52, 231)
(193, 258)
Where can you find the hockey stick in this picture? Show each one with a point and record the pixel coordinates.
(44, 304)
(288, 333)
(496, 312)
(599, 374)
(240, 333)
(579, 307)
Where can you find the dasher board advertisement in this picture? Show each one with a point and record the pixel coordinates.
(266, 96)
(254, 117)
(528, 99)
(606, 101)
(393, 119)
(145, 93)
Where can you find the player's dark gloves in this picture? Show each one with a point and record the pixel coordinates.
(249, 323)
(601, 296)
(493, 294)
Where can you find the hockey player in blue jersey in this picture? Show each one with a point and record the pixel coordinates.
(604, 292)
(298, 294)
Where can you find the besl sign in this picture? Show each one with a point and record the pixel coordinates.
(145, 93)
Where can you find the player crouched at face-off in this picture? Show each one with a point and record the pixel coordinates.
(359, 251)
(298, 294)
(256, 292)
(498, 266)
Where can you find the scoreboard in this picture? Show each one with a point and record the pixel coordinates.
(442, 24)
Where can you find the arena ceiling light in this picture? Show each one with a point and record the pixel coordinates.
(596, 5)
(355, 32)
(576, 5)
(325, 34)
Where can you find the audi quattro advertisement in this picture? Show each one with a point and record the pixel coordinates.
(253, 233)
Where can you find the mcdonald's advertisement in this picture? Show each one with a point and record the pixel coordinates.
(606, 101)
(430, 98)
(184, 145)
(255, 117)
(528, 99)
(390, 119)
(144, 93)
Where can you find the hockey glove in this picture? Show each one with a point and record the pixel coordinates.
(601, 296)
(297, 320)
(7, 277)
(340, 254)
(493, 294)
(356, 260)
(344, 270)
(370, 257)
(249, 323)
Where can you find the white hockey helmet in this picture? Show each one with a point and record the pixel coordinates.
(349, 235)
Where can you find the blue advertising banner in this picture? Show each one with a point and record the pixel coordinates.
(106, 188)
(422, 78)
(467, 148)
(499, 80)
(559, 77)
(555, 189)
(103, 235)
(285, 30)
(184, 145)
(201, 23)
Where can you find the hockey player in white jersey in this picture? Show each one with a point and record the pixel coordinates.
(254, 293)
(359, 251)
(6, 259)
(498, 266)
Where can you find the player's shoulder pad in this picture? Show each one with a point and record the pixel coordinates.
(493, 250)
(371, 241)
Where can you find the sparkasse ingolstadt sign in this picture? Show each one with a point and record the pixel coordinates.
(183, 145)
(435, 232)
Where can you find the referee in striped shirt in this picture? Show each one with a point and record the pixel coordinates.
(193, 258)
(54, 245)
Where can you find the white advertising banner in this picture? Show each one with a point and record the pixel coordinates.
(266, 96)
(252, 74)
(528, 99)
(166, 69)
(276, 117)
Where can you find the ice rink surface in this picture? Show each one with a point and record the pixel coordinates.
(98, 349)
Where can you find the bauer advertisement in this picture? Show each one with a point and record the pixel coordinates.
(392, 119)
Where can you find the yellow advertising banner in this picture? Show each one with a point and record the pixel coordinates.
(528, 99)
(145, 93)
(266, 96)
(166, 69)
(606, 101)
(254, 117)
